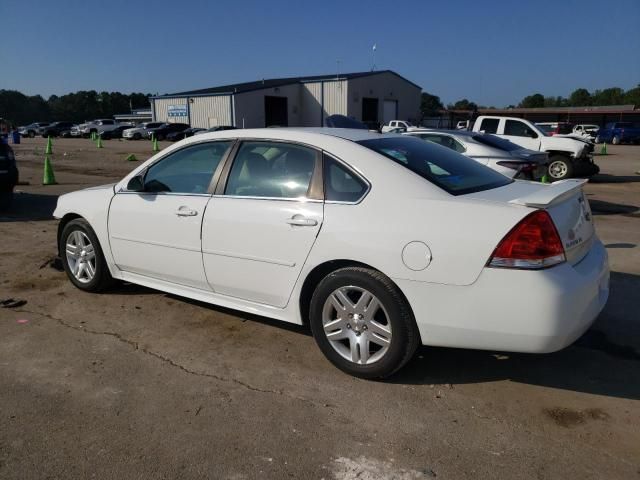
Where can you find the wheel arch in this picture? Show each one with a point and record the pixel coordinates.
(561, 153)
(315, 276)
(63, 223)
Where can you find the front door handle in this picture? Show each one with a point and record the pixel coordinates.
(185, 211)
(301, 221)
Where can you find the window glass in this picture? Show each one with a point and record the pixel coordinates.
(341, 185)
(445, 141)
(186, 171)
(447, 169)
(497, 142)
(489, 125)
(271, 169)
(518, 129)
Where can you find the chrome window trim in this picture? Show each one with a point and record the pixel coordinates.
(281, 199)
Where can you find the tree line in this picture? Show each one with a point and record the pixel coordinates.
(20, 109)
(431, 105)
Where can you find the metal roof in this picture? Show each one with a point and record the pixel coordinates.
(278, 82)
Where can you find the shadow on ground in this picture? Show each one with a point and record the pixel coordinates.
(29, 207)
(606, 178)
(600, 207)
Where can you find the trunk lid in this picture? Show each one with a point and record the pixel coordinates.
(564, 201)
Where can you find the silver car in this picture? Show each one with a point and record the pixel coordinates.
(136, 133)
(497, 153)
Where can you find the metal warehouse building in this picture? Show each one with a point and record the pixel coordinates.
(376, 97)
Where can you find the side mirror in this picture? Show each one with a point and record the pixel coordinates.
(136, 184)
(533, 134)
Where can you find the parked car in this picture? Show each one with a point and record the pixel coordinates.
(463, 125)
(586, 130)
(378, 242)
(555, 128)
(55, 129)
(189, 132)
(98, 126)
(136, 133)
(161, 132)
(115, 133)
(66, 132)
(31, 130)
(496, 153)
(568, 157)
(218, 128)
(8, 175)
(619, 132)
(394, 124)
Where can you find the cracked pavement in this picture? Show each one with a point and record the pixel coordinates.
(135, 383)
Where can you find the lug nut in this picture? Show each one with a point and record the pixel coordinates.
(348, 325)
(364, 327)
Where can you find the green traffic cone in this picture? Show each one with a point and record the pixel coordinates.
(545, 178)
(99, 142)
(132, 158)
(49, 149)
(156, 148)
(48, 178)
(603, 149)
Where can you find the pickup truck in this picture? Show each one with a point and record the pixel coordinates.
(568, 157)
(394, 124)
(97, 126)
(619, 132)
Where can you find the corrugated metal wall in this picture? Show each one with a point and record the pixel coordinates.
(162, 107)
(311, 96)
(209, 112)
(335, 97)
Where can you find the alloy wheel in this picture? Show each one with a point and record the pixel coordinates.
(357, 325)
(558, 169)
(81, 256)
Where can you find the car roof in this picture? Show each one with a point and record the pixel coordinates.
(353, 134)
(462, 133)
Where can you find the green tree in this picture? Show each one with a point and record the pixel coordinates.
(532, 101)
(632, 96)
(608, 96)
(463, 104)
(580, 98)
(430, 105)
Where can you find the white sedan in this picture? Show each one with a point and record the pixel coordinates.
(378, 242)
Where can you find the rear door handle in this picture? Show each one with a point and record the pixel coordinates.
(184, 211)
(302, 221)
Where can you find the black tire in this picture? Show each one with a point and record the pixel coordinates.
(102, 278)
(405, 335)
(137, 136)
(560, 167)
(32, 134)
(615, 140)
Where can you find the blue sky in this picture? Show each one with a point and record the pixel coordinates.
(491, 52)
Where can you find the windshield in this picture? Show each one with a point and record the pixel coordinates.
(546, 129)
(441, 166)
(497, 142)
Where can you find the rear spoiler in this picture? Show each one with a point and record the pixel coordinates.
(552, 193)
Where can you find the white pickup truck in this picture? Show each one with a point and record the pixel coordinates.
(97, 126)
(395, 124)
(568, 157)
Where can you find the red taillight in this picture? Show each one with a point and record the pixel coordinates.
(532, 243)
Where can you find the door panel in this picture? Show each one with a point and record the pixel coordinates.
(158, 235)
(253, 249)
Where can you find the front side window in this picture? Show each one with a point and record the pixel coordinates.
(187, 171)
(489, 125)
(340, 184)
(272, 170)
(454, 173)
(518, 129)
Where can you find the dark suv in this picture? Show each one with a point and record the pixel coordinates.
(55, 129)
(8, 175)
(162, 132)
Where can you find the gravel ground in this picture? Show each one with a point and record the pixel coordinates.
(135, 383)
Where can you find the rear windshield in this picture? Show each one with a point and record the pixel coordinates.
(441, 166)
(497, 142)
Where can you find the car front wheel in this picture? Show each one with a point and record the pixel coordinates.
(82, 257)
(362, 323)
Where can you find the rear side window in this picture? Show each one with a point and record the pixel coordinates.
(272, 170)
(445, 168)
(489, 125)
(497, 142)
(445, 141)
(340, 184)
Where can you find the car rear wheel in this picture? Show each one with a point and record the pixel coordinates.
(615, 140)
(560, 167)
(82, 257)
(362, 323)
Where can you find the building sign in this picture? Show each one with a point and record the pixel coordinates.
(177, 110)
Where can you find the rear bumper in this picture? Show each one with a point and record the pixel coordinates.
(514, 310)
